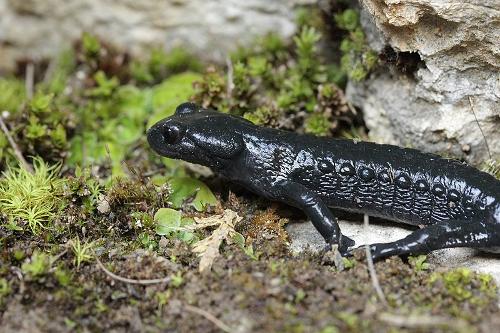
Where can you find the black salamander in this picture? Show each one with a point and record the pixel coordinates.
(457, 205)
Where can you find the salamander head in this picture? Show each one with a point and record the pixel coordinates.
(198, 135)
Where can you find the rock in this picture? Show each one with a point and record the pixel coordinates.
(41, 28)
(303, 235)
(430, 110)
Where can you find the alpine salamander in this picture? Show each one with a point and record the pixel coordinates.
(457, 205)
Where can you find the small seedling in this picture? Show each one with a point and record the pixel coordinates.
(176, 280)
(4, 288)
(191, 191)
(37, 266)
(348, 263)
(82, 252)
(170, 223)
(419, 263)
(62, 276)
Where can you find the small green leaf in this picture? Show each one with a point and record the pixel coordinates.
(184, 188)
(167, 220)
(186, 237)
(170, 93)
(239, 240)
(128, 131)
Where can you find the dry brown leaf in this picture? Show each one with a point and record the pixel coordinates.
(208, 248)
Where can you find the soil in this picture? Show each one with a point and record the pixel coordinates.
(274, 292)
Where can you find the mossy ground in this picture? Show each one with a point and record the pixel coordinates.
(111, 201)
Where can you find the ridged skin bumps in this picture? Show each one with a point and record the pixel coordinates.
(458, 205)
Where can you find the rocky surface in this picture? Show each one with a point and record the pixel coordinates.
(430, 109)
(304, 236)
(39, 28)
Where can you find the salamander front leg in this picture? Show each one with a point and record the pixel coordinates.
(439, 236)
(320, 215)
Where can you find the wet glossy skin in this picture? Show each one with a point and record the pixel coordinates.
(457, 205)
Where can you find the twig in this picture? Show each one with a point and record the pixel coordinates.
(55, 258)
(14, 146)
(477, 122)
(127, 280)
(50, 70)
(422, 321)
(30, 80)
(210, 317)
(230, 82)
(371, 267)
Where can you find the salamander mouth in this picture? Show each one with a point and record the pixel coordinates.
(154, 138)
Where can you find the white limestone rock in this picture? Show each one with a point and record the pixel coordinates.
(303, 235)
(41, 28)
(459, 48)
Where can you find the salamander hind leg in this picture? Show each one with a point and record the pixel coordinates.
(447, 234)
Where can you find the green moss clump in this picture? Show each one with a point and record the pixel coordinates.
(39, 128)
(13, 94)
(358, 60)
(462, 283)
(317, 124)
(162, 64)
(82, 252)
(112, 119)
(492, 167)
(32, 200)
(279, 85)
(36, 266)
(262, 115)
(91, 44)
(4, 289)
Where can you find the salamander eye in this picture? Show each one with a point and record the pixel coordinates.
(172, 134)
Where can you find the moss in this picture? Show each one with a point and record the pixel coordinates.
(317, 124)
(418, 263)
(5, 289)
(32, 200)
(348, 19)
(307, 50)
(37, 266)
(358, 60)
(81, 252)
(91, 44)
(465, 286)
(13, 94)
(310, 16)
(56, 81)
(277, 290)
(161, 65)
(124, 193)
(63, 276)
(492, 167)
(38, 128)
(278, 85)
(210, 91)
(262, 115)
(168, 94)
